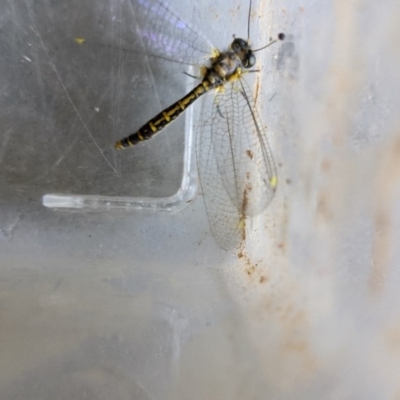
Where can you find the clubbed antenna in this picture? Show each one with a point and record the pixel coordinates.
(281, 36)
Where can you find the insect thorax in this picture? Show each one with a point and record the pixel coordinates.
(229, 64)
(223, 68)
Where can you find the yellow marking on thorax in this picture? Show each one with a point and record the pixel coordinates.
(203, 71)
(215, 53)
(238, 73)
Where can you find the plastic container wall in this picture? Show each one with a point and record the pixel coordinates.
(99, 303)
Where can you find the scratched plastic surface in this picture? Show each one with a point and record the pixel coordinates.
(146, 305)
(97, 84)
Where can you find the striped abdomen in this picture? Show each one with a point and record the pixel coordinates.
(165, 117)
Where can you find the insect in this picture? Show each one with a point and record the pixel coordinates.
(235, 165)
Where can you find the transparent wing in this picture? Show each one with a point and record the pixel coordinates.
(236, 168)
(166, 35)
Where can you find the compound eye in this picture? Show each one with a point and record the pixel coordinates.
(251, 60)
(238, 44)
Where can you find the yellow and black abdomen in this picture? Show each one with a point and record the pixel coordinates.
(165, 117)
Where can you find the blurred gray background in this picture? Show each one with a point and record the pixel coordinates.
(140, 305)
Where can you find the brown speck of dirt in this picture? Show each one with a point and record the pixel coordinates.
(262, 279)
(249, 154)
(250, 270)
(257, 90)
(245, 200)
(244, 233)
